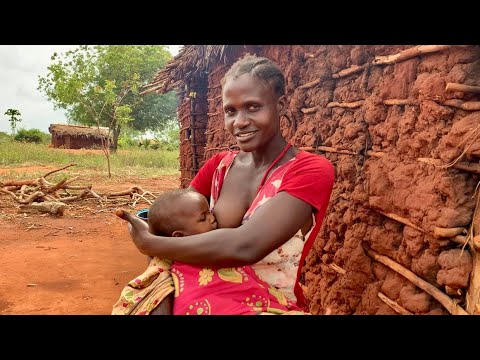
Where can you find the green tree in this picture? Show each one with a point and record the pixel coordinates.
(14, 118)
(99, 85)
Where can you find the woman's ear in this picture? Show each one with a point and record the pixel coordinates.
(282, 103)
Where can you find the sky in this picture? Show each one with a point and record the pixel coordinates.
(20, 66)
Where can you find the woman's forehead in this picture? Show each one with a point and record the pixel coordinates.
(245, 83)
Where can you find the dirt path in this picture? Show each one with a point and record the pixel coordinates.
(74, 264)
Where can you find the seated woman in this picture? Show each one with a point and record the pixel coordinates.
(269, 198)
(233, 291)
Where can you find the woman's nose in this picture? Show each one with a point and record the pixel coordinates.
(241, 120)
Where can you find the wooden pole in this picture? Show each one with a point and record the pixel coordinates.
(451, 306)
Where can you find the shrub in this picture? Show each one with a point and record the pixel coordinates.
(31, 136)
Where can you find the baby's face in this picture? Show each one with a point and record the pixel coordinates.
(196, 215)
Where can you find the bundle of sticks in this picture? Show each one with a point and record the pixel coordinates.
(40, 195)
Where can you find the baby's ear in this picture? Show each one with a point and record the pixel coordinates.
(178, 233)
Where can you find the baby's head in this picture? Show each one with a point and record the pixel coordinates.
(180, 212)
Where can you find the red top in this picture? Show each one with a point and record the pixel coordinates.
(307, 176)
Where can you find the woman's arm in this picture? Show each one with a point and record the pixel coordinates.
(270, 226)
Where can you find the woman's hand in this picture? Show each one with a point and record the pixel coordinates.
(138, 228)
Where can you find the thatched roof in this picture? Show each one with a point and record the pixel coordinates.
(78, 130)
(190, 62)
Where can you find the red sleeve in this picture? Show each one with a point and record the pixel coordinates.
(202, 182)
(310, 179)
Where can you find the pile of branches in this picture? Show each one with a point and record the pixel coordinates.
(40, 195)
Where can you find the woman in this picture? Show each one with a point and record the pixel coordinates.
(269, 198)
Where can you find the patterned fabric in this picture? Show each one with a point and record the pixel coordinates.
(225, 291)
(145, 292)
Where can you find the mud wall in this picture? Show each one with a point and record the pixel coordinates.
(406, 150)
(76, 142)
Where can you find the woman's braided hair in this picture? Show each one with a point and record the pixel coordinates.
(260, 67)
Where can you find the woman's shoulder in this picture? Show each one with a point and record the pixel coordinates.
(307, 159)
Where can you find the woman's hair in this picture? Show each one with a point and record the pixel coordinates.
(261, 67)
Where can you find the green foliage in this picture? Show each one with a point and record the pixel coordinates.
(169, 136)
(99, 85)
(14, 118)
(31, 136)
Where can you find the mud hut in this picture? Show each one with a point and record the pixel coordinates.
(401, 124)
(78, 137)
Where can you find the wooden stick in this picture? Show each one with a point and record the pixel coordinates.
(54, 208)
(337, 268)
(310, 110)
(212, 131)
(348, 105)
(217, 148)
(393, 305)
(18, 182)
(309, 84)
(408, 54)
(466, 166)
(399, 102)
(462, 88)
(439, 232)
(75, 197)
(464, 105)
(377, 154)
(451, 306)
(327, 149)
(54, 171)
(351, 70)
(402, 220)
(314, 55)
(215, 98)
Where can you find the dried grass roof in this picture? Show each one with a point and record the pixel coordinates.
(78, 130)
(189, 62)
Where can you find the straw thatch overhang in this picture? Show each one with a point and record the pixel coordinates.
(193, 61)
(78, 130)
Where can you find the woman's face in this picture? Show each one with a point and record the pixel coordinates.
(251, 111)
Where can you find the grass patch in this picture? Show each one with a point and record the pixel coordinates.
(139, 162)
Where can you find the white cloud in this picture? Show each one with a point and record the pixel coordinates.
(20, 66)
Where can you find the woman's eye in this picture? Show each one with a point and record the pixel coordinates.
(253, 108)
(229, 111)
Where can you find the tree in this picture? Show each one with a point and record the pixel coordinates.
(99, 85)
(14, 114)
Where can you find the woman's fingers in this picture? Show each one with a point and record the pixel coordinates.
(134, 222)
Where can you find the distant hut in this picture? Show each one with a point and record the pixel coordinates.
(77, 136)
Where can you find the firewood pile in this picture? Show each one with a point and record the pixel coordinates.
(40, 195)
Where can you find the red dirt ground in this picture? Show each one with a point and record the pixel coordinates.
(77, 263)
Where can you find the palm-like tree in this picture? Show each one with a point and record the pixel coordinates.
(14, 118)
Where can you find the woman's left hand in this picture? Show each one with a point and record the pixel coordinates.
(138, 228)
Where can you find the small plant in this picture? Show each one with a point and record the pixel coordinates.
(14, 118)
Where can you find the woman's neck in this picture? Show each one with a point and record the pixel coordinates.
(264, 157)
